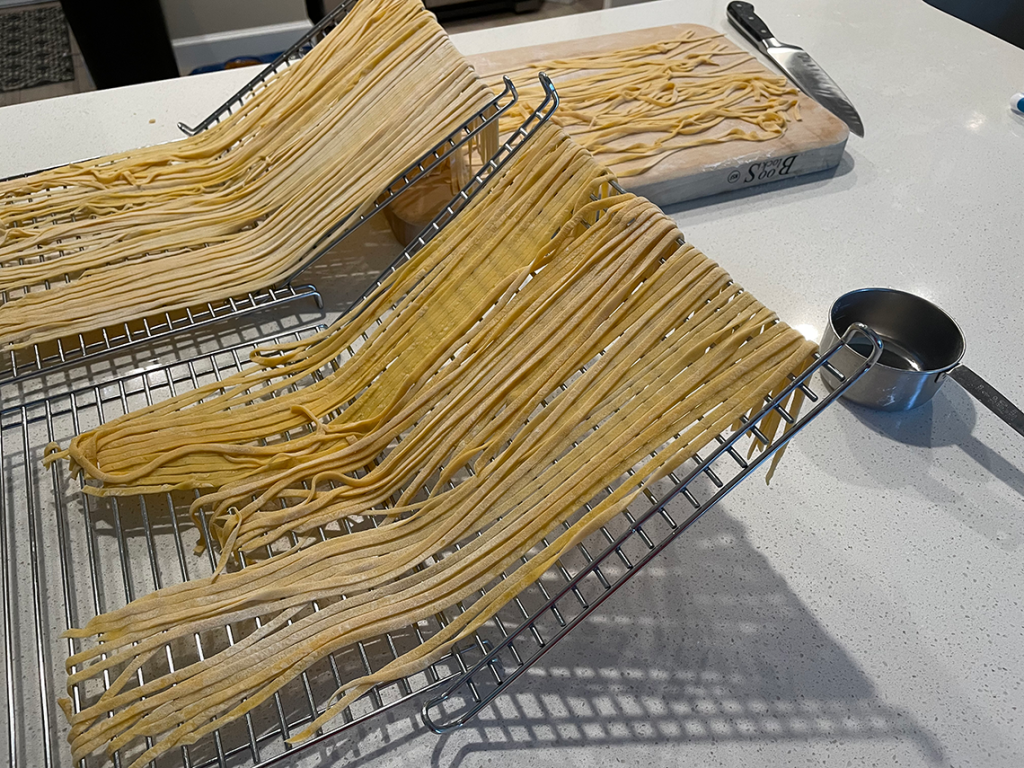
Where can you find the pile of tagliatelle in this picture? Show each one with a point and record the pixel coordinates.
(242, 205)
(633, 108)
(451, 359)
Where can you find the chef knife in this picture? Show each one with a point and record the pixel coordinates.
(795, 62)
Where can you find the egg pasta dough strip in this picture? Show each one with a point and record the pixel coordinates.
(241, 205)
(635, 107)
(674, 352)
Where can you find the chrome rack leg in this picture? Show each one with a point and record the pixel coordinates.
(466, 688)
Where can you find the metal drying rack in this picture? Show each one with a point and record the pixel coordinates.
(593, 578)
(66, 556)
(17, 365)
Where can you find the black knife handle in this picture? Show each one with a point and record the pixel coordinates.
(749, 23)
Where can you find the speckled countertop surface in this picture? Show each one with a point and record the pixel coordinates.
(867, 608)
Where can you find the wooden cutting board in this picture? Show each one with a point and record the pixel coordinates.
(815, 143)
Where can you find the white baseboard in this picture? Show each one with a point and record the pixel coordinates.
(202, 50)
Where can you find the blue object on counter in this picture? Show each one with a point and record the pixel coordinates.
(1017, 103)
(235, 63)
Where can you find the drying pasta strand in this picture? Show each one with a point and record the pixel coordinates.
(242, 205)
(633, 108)
(641, 348)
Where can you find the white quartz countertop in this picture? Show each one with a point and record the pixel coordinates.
(868, 607)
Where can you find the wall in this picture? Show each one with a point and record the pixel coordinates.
(190, 18)
(212, 31)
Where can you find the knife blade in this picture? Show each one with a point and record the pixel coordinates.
(796, 63)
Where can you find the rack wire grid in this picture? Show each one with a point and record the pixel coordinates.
(66, 556)
(599, 566)
(17, 365)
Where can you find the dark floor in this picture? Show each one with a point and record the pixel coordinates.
(81, 83)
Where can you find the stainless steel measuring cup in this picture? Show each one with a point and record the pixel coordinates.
(922, 347)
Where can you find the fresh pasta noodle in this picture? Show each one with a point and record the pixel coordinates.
(202, 441)
(635, 107)
(242, 205)
(642, 349)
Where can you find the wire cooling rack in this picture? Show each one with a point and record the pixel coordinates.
(599, 567)
(38, 359)
(16, 365)
(65, 557)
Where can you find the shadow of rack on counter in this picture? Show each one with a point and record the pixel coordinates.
(66, 556)
(17, 365)
(585, 578)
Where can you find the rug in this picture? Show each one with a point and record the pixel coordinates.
(34, 49)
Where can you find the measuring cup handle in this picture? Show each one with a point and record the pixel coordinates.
(989, 396)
